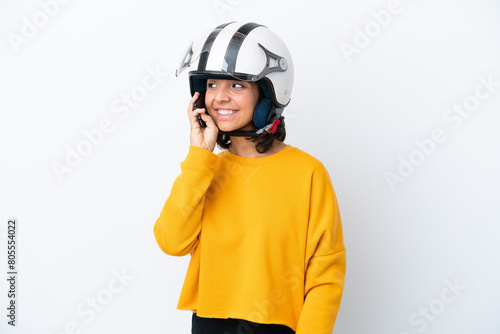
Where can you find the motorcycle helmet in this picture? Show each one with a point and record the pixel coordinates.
(247, 52)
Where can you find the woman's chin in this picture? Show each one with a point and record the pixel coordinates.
(229, 128)
(225, 128)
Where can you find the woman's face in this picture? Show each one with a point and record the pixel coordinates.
(231, 103)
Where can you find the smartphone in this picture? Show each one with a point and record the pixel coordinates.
(200, 103)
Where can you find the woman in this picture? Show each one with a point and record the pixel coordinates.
(260, 219)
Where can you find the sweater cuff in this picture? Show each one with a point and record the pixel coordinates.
(201, 157)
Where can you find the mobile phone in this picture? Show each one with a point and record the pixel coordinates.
(200, 103)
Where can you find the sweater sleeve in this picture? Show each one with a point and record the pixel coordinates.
(179, 224)
(326, 259)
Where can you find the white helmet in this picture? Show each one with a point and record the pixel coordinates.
(248, 52)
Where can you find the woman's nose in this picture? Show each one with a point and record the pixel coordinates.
(222, 95)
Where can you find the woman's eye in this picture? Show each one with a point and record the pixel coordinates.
(210, 85)
(237, 85)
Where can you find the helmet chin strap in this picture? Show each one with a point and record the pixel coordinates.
(269, 128)
(241, 133)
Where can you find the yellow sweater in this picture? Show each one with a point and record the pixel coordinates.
(265, 238)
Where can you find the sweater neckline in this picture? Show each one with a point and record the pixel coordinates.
(255, 161)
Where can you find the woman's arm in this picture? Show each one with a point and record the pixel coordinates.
(326, 260)
(177, 229)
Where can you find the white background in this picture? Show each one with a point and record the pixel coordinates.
(359, 115)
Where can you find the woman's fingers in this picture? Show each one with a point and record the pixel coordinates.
(195, 113)
(206, 136)
(208, 119)
(191, 111)
(193, 100)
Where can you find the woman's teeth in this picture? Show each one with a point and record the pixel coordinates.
(225, 112)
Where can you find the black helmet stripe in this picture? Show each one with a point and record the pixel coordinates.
(202, 64)
(235, 45)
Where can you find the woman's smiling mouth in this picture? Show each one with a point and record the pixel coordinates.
(226, 111)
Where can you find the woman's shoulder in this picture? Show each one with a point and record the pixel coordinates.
(304, 159)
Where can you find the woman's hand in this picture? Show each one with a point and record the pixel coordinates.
(204, 137)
